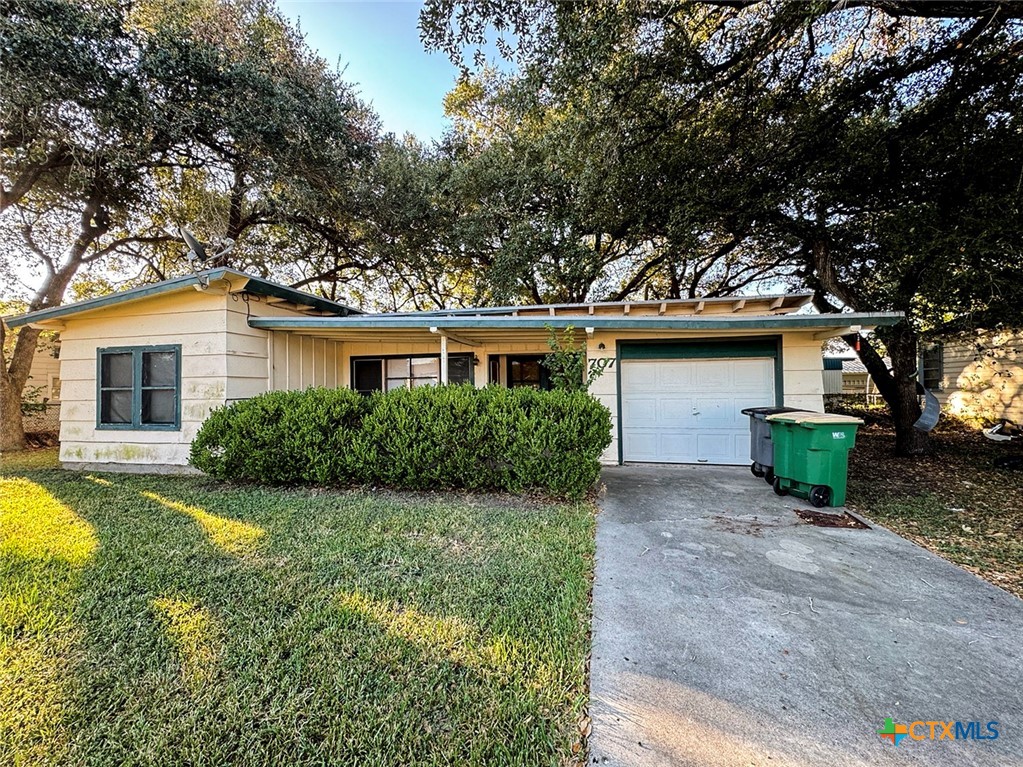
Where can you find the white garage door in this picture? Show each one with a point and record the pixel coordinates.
(688, 411)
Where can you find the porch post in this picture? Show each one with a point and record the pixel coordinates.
(443, 359)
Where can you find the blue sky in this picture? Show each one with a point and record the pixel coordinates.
(377, 45)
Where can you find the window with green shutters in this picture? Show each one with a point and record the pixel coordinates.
(139, 387)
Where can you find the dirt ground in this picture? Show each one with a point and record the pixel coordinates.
(960, 502)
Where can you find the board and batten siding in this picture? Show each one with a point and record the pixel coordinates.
(259, 360)
(833, 381)
(986, 385)
(299, 362)
(196, 321)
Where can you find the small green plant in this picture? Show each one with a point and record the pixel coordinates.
(32, 400)
(566, 362)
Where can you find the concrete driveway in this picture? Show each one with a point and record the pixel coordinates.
(728, 632)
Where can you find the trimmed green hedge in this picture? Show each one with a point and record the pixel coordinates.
(425, 438)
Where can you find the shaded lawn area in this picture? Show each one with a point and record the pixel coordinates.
(954, 502)
(168, 620)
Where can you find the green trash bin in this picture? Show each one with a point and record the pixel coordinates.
(811, 455)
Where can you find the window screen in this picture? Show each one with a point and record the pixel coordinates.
(159, 387)
(117, 386)
(367, 376)
(139, 388)
(528, 371)
(459, 370)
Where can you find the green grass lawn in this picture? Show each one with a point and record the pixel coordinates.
(169, 620)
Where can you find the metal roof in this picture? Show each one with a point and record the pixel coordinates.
(775, 314)
(855, 365)
(685, 322)
(252, 284)
(782, 302)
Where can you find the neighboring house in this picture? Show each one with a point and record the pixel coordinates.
(142, 369)
(832, 376)
(980, 376)
(848, 375)
(42, 391)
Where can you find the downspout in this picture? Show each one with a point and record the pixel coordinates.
(443, 359)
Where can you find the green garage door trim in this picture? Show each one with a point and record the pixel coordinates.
(706, 349)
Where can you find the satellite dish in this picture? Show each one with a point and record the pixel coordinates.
(196, 251)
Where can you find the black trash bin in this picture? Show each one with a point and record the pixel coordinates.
(761, 449)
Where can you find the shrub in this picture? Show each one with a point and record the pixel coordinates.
(566, 363)
(281, 438)
(425, 438)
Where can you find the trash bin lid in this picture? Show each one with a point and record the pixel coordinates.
(765, 411)
(811, 418)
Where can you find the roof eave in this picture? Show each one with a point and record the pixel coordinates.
(266, 288)
(850, 321)
(791, 301)
(250, 284)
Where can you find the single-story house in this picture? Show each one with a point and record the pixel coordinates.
(977, 376)
(141, 369)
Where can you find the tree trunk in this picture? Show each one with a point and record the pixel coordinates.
(897, 386)
(12, 428)
(901, 341)
(95, 222)
(12, 384)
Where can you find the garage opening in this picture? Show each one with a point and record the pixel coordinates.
(681, 402)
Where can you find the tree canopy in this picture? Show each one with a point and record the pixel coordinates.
(121, 121)
(871, 151)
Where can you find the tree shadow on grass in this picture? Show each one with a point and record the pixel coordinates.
(292, 648)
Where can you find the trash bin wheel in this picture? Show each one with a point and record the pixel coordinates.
(756, 469)
(778, 489)
(820, 495)
(769, 476)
